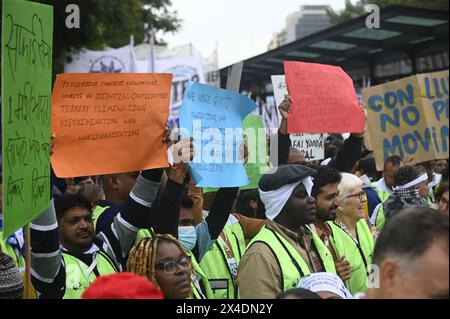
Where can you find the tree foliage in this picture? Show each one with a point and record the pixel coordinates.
(108, 23)
(352, 11)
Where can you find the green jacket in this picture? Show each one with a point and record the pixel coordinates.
(80, 276)
(7, 249)
(324, 253)
(292, 265)
(198, 277)
(359, 254)
(221, 262)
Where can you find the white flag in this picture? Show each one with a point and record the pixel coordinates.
(183, 70)
(121, 60)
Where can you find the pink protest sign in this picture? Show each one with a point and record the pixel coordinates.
(323, 99)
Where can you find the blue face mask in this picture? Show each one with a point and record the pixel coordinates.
(187, 236)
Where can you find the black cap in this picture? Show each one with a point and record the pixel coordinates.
(284, 175)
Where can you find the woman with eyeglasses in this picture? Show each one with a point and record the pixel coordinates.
(163, 261)
(351, 236)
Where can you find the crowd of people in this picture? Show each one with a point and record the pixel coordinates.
(332, 230)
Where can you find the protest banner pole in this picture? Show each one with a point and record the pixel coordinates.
(152, 52)
(27, 284)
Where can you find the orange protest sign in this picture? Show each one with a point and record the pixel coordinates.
(109, 123)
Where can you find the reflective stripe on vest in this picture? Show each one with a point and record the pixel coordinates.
(324, 253)
(238, 244)
(292, 265)
(79, 276)
(216, 264)
(359, 255)
(196, 276)
(97, 212)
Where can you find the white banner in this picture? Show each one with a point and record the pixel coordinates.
(183, 70)
(121, 60)
(212, 73)
(312, 146)
(279, 88)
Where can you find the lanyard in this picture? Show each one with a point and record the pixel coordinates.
(230, 256)
(196, 281)
(356, 241)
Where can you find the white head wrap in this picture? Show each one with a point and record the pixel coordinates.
(275, 200)
(325, 281)
(418, 180)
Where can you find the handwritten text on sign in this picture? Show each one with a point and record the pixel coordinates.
(409, 117)
(323, 99)
(311, 146)
(213, 117)
(26, 89)
(109, 123)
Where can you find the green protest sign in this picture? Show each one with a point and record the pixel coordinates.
(257, 163)
(27, 37)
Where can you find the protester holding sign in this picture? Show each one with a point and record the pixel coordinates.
(66, 271)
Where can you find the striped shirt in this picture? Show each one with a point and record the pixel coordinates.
(48, 270)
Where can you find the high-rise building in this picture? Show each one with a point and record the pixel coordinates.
(308, 20)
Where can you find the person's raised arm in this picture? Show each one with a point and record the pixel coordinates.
(284, 141)
(47, 270)
(350, 151)
(136, 213)
(170, 203)
(209, 230)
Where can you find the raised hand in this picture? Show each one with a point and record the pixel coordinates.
(182, 152)
(343, 268)
(285, 106)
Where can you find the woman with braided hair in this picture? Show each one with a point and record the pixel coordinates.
(164, 261)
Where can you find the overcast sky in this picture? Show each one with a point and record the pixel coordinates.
(240, 28)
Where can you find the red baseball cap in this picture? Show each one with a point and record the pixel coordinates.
(122, 285)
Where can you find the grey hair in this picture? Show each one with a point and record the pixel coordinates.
(348, 184)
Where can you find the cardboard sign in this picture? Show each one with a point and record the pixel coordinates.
(213, 117)
(109, 123)
(323, 99)
(27, 41)
(409, 117)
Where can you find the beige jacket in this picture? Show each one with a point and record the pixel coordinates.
(259, 276)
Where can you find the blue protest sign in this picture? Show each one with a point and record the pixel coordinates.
(213, 117)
